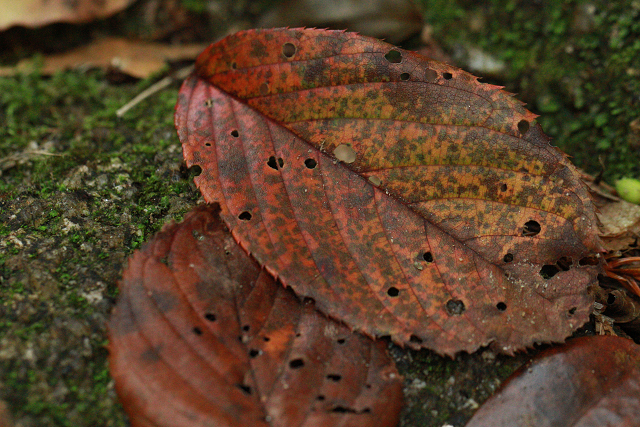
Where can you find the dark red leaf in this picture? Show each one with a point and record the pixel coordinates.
(402, 195)
(589, 382)
(201, 336)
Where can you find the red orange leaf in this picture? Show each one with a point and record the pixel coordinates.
(589, 382)
(402, 195)
(202, 336)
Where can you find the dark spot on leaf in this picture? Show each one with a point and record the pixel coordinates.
(405, 76)
(341, 341)
(508, 258)
(415, 339)
(572, 311)
(393, 291)
(455, 307)
(523, 126)
(234, 133)
(197, 330)
(343, 410)
(531, 228)
(501, 306)
(393, 56)
(427, 256)
(246, 328)
(334, 377)
(447, 76)
(245, 388)
(368, 386)
(503, 187)
(244, 216)
(266, 339)
(234, 65)
(254, 353)
(310, 163)
(288, 50)
(264, 89)
(210, 317)
(366, 411)
(430, 75)
(296, 363)
(548, 271)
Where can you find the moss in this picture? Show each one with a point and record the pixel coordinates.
(574, 62)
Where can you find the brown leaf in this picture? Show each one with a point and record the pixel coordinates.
(402, 195)
(35, 13)
(202, 336)
(135, 58)
(589, 382)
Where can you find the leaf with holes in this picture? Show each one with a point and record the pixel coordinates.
(402, 195)
(594, 381)
(202, 336)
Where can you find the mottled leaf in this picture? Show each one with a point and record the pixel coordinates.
(589, 382)
(202, 336)
(402, 195)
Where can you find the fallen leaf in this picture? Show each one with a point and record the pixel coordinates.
(202, 336)
(588, 382)
(403, 196)
(135, 58)
(36, 13)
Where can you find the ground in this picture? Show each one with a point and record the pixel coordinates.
(81, 189)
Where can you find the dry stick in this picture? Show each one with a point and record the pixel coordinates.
(156, 87)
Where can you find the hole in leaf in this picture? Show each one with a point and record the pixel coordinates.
(246, 328)
(572, 311)
(310, 163)
(393, 56)
(611, 298)
(266, 339)
(523, 126)
(280, 162)
(589, 260)
(508, 258)
(430, 75)
(194, 170)
(393, 291)
(345, 153)
(334, 377)
(244, 216)
(197, 330)
(264, 89)
(288, 50)
(455, 307)
(447, 76)
(503, 187)
(245, 388)
(341, 341)
(343, 410)
(375, 180)
(415, 339)
(320, 397)
(207, 144)
(254, 353)
(548, 271)
(501, 306)
(296, 363)
(234, 65)
(531, 228)
(234, 133)
(208, 103)
(210, 317)
(272, 163)
(405, 76)
(427, 256)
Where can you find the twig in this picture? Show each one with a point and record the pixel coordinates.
(156, 87)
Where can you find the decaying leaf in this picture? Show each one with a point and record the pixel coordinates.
(135, 58)
(403, 196)
(588, 382)
(35, 13)
(202, 336)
